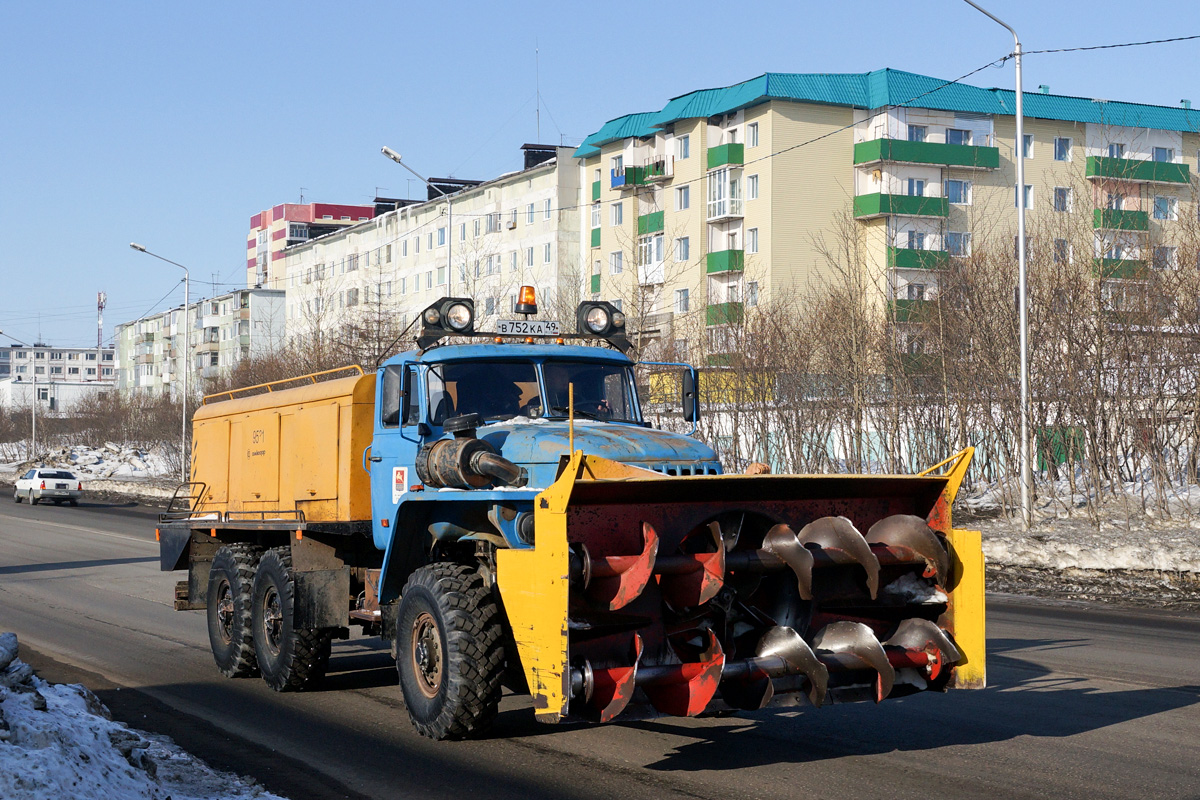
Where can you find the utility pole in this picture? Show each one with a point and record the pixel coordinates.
(101, 302)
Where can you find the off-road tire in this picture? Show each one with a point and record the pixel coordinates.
(452, 606)
(230, 580)
(290, 659)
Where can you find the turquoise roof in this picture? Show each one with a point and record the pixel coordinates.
(885, 87)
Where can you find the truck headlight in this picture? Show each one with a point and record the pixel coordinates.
(597, 319)
(458, 316)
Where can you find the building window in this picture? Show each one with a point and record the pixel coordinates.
(441, 276)
(752, 294)
(1027, 151)
(1164, 258)
(752, 135)
(595, 215)
(958, 244)
(546, 253)
(1165, 207)
(618, 305)
(1062, 251)
(724, 193)
(513, 262)
(650, 251)
(616, 262)
(1164, 154)
(1028, 196)
(1116, 150)
(917, 133)
(683, 198)
(958, 136)
(681, 301)
(404, 249)
(1062, 198)
(475, 228)
(683, 249)
(441, 233)
(683, 147)
(546, 212)
(529, 214)
(958, 192)
(752, 240)
(352, 297)
(616, 214)
(429, 279)
(512, 218)
(529, 256)
(915, 291)
(752, 187)
(617, 165)
(1062, 149)
(916, 240)
(1114, 201)
(416, 244)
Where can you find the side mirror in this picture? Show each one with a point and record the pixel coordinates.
(690, 398)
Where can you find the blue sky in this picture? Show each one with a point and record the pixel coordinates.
(171, 124)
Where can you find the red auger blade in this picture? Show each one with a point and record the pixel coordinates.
(612, 688)
(924, 637)
(839, 540)
(852, 645)
(684, 690)
(687, 580)
(906, 530)
(613, 582)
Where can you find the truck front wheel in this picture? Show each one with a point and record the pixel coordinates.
(450, 652)
(229, 635)
(290, 659)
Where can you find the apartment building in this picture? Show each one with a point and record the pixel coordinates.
(55, 377)
(221, 331)
(275, 229)
(726, 197)
(520, 228)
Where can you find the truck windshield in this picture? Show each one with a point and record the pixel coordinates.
(495, 390)
(602, 391)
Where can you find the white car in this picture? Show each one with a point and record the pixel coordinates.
(48, 484)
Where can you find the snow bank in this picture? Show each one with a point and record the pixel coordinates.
(112, 461)
(60, 741)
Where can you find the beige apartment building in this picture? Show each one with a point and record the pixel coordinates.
(727, 197)
(520, 228)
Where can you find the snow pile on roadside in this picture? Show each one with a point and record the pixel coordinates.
(98, 463)
(59, 741)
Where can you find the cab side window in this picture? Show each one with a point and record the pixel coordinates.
(412, 410)
(389, 400)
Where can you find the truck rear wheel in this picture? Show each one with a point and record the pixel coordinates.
(450, 652)
(229, 634)
(290, 659)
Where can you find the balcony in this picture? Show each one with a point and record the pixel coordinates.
(725, 261)
(595, 284)
(595, 237)
(1127, 169)
(726, 154)
(616, 179)
(726, 314)
(650, 223)
(144, 338)
(1112, 219)
(910, 258)
(868, 206)
(948, 155)
(595, 190)
(1119, 268)
(903, 310)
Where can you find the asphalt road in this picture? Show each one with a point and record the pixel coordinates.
(1083, 702)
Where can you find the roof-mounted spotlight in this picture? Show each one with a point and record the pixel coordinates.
(450, 316)
(602, 320)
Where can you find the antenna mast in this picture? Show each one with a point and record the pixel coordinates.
(537, 81)
(101, 302)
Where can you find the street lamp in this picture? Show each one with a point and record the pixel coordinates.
(394, 156)
(1022, 294)
(184, 356)
(32, 403)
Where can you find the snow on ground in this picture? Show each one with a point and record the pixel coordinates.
(90, 463)
(59, 741)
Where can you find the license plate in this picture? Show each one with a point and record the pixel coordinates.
(529, 327)
(61, 486)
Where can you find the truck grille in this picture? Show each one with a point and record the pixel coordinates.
(710, 468)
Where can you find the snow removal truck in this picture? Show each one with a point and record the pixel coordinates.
(500, 512)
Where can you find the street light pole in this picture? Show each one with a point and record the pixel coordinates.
(32, 403)
(394, 156)
(184, 357)
(1022, 286)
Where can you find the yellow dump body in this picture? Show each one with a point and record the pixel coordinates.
(296, 449)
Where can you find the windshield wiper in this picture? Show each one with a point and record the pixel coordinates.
(580, 412)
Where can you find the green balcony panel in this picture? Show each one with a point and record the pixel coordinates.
(595, 284)
(1119, 268)
(724, 154)
(725, 261)
(1128, 169)
(719, 360)
(951, 155)
(650, 223)
(1114, 220)
(910, 310)
(726, 314)
(635, 176)
(907, 258)
(595, 237)
(875, 205)
(595, 190)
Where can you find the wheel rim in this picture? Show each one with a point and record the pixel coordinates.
(272, 620)
(225, 611)
(427, 654)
